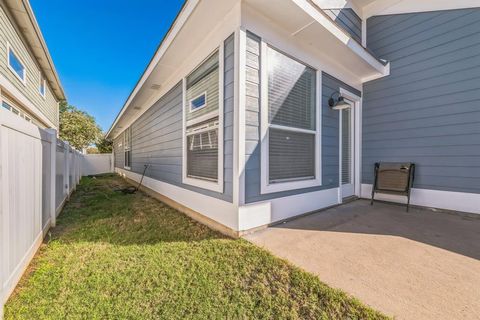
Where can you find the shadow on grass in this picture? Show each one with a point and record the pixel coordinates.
(116, 256)
(98, 212)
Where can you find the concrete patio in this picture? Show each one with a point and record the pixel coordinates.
(416, 265)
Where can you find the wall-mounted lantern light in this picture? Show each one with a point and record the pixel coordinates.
(337, 103)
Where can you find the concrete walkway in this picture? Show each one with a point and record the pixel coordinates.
(417, 265)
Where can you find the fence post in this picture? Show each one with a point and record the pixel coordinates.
(74, 170)
(79, 167)
(66, 174)
(53, 175)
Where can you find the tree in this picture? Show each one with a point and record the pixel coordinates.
(92, 150)
(78, 127)
(105, 145)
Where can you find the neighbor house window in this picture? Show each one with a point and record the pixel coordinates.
(198, 102)
(127, 147)
(16, 65)
(42, 87)
(9, 106)
(203, 125)
(289, 152)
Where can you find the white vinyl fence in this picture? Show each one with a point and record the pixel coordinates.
(97, 163)
(38, 173)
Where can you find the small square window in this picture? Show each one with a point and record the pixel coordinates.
(198, 102)
(15, 65)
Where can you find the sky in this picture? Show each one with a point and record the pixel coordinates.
(100, 48)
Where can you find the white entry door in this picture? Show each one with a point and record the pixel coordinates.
(347, 151)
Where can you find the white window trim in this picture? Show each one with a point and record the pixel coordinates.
(266, 187)
(357, 123)
(125, 148)
(216, 186)
(199, 108)
(24, 80)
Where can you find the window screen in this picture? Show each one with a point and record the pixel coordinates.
(202, 151)
(202, 120)
(291, 109)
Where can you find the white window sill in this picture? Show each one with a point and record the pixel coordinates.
(23, 81)
(287, 186)
(204, 184)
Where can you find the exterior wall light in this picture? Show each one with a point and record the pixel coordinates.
(338, 103)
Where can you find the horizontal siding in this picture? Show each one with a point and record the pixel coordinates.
(428, 110)
(48, 105)
(157, 136)
(330, 130)
(348, 20)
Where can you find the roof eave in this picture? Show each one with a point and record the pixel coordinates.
(177, 24)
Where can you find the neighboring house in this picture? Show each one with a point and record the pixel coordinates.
(232, 112)
(29, 84)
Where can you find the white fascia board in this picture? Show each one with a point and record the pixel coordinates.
(341, 35)
(165, 44)
(387, 7)
(24, 101)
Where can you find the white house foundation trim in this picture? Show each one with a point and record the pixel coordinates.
(446, 200)
(215, 209)
(264, 213)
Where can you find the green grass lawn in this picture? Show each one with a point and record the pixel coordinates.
(115, 256)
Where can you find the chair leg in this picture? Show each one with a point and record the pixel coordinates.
(408, 202)
(373, 195)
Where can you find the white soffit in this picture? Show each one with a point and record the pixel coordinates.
(308, 24)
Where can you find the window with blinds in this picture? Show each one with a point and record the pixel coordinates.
(291, 119)
(127, 147)
(202, 121)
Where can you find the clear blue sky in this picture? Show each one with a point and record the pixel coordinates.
(101, 47)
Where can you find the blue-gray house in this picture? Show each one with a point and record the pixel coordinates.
(232, 112)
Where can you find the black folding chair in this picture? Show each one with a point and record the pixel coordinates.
(394, 178)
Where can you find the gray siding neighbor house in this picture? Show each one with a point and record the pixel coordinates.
(29, 85)
(232, 114)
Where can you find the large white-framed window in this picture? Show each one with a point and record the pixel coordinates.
(290, 122)
(15, 65)
(127, 148)
(203, 124)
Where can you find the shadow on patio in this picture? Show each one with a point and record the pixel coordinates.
(459, 233)
(417, 265)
